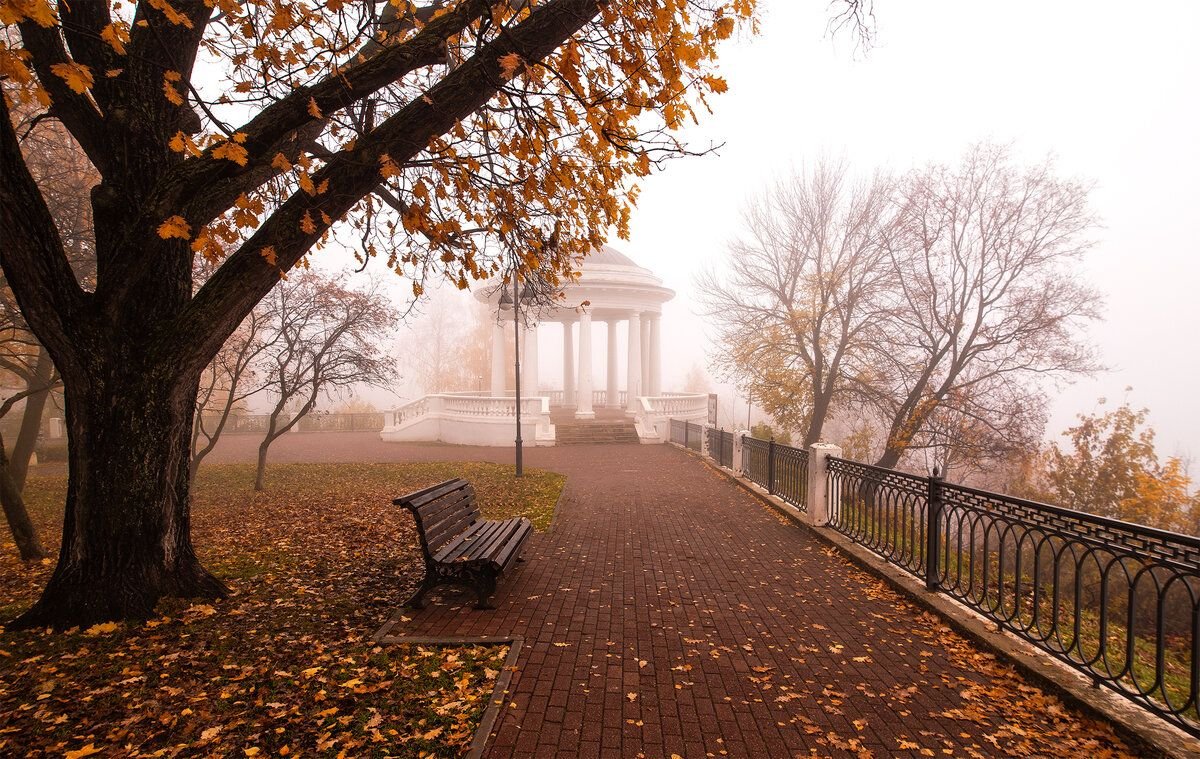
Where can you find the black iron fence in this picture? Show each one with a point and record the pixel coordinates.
(1117, 601)
(781, 469)
(687, 434)
(720, 446)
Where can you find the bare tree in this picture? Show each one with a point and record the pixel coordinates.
(228, 381)
(802, 302)
(324, 335)
(985, 301)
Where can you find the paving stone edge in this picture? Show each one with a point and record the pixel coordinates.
(1150, 735)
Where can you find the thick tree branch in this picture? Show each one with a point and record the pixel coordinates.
(207, 186)
(34, 260)
(76, 110)
(246, 277)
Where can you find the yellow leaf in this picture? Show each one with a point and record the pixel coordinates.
(101, 629)
(77, 76)
(174, 16)
(313, 109)
(252, 751)
(35, 10)
(169, 90)
(231, 151)
(117, 36)
(281, 162)
(176, 226)
(87, 750)
(509, 65)
(435, 732)
(351, 683)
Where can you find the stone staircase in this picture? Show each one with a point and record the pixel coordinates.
(609, 426)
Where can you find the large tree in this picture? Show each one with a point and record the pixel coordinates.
(800, 301)
(221, 125)
(986, 299)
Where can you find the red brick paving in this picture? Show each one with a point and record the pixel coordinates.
(668, 612)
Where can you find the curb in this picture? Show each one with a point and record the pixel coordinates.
(1152, 737)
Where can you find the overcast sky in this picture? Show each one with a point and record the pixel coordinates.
(1110, 89)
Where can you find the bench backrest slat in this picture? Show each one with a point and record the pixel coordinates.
(442, 512)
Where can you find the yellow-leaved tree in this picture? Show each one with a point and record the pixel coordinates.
(1112, 469)
(431, 136)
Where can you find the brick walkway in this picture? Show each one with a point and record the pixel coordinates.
(668, 612)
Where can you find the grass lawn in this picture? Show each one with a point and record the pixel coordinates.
(285, 665)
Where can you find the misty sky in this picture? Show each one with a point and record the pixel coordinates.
(1110, 89)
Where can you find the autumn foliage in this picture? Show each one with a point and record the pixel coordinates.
(434, 138)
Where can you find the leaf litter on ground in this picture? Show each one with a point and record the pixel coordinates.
(285, 665)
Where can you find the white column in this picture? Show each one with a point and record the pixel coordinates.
(634, 380)
(583, 401)
(645, 354)
(568, 363)
(614, 392)
(655, 356)
(529, 380)
(498, 359)
(818, 482)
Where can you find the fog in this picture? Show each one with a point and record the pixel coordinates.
(1107, 88)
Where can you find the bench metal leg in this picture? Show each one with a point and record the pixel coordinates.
(417, 600)
(484, 589)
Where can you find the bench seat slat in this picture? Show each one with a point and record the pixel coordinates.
(474, 546)
(508, 551)
(492, 544)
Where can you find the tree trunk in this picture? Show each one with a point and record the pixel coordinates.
(31, 421)
(126, 531)
(890, 458)
(260, 482)
(23, 532)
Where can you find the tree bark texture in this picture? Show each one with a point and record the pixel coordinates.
(126, 533)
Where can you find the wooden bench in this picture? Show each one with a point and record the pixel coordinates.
(460, 548)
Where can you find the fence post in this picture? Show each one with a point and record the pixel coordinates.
(818, 482)
(686, 428)
(705, 439)
(771, 466)
(739, 446)
(933, 532)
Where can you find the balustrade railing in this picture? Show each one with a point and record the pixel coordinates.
(1119, 602)
(781, 469)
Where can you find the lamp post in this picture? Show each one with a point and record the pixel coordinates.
(514, 302)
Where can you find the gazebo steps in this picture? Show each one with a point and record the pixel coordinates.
(592, 432)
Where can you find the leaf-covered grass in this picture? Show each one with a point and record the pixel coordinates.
(285, 665)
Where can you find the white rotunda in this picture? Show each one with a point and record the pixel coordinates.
(611, 289)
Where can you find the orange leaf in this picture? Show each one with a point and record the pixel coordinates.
(306, 224)
(231, 151)
(117, 36)
(176, 226)
(313, 109)
(509, 65)
(269, 254)
(77, 76)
